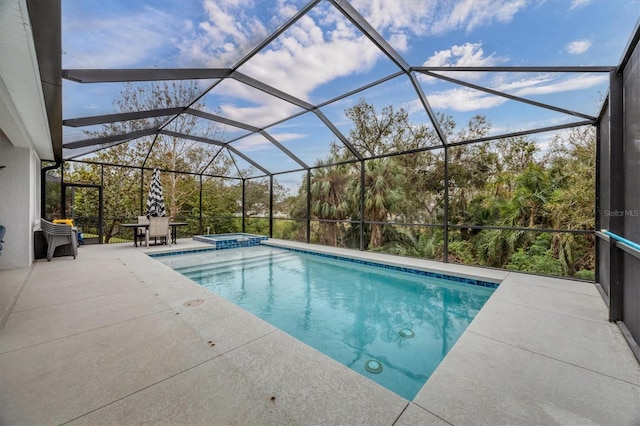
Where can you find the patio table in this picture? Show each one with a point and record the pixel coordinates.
(173, 225)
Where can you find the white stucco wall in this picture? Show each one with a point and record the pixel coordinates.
(19, 203)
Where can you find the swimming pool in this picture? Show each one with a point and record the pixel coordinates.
(391, 325)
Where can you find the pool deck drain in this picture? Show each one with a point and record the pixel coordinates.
(89, 342)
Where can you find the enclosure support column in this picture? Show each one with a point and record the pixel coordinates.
(101, 207)
(141, 189)
(43, 187)
(616, 190)
(362, 192)
(271, 206)
(308, 207)
(63, 194)
(243, 203)
(446, 205)
(200, 204)
(598, 206)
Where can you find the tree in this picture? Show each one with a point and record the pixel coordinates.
(383, 194)
(329, 200)
(122, 184)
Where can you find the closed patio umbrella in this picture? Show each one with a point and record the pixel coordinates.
(155, 200)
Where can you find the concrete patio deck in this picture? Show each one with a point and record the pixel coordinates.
(109, 338)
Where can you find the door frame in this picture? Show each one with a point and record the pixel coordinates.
(100, 204)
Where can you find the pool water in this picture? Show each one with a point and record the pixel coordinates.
(393, 327)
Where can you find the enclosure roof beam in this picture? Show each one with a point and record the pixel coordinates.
(192, 137)
(211, 161)
(358, 20)
(263, 87)
(283, 149)
(223, 120)
(70, 154)
(361, 88)
(244, 126)
(215, 142)
(249, 160)
(110, 138)
(376, 38)
(146, 158)
(295, 101)
(517, 69)
(276, 33)
(339, 134)
(427, 108)
(523, 133)
(147, 74)
(508, 96)
(124, 116)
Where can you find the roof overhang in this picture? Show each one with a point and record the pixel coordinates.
(30, 76)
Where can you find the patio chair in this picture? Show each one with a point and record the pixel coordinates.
(159, 227)
(141, 232)
(59, 235)
(2, 231)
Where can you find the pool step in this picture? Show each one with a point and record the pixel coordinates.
(246, 262)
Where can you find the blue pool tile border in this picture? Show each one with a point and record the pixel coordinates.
(472, 281)
(181, 252)
(453, 278)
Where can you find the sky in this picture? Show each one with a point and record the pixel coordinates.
(323, 55)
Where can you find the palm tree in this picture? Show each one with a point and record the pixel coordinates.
(533, 189)
(383, 194)
(328, 192)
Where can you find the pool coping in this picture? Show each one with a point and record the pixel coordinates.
(541, 351)
(493, 284)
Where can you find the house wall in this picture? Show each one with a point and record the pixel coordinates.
(19, 203)
(604, 199)
(619, 198)
(631, 137)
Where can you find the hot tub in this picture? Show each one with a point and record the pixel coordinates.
(223, 241)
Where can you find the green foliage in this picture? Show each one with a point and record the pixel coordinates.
(585, 274)
(504, 183)
(510, 182)
(538, 258)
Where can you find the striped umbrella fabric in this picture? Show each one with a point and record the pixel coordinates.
(155, 200)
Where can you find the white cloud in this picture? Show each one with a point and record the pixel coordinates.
(319, 48)
(283, 137)
(581, 82)
(414, 16)
(256, 107)
(471, 14)
(578, 46)
(254, 142)
(101, 42)
(397, 19)
(467, 54)
(463, 99)
(579, 3)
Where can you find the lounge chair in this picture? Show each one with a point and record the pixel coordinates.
(159, 227)
(2, 231)
(59, 235)
(142, 231)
